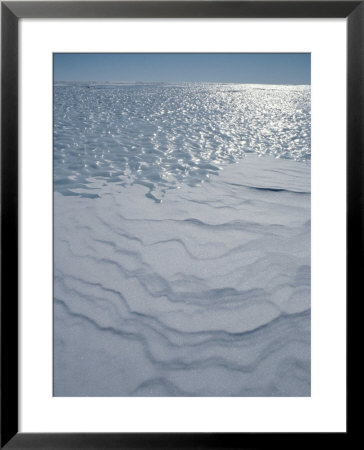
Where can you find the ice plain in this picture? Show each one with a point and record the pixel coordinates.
(181, 240)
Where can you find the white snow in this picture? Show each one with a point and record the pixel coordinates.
(204, 292)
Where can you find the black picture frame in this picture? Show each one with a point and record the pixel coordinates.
(11, 12)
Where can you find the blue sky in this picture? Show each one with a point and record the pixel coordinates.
(261, 68)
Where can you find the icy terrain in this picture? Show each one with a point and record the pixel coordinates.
(181, 240)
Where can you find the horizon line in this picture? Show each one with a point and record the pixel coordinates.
(179, 81)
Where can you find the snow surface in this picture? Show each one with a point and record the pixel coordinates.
(182, 259)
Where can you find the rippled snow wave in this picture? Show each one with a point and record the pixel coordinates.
(206, 293)
(161, 135)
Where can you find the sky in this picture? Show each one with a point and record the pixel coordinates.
(258, 68)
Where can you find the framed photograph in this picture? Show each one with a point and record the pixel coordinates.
(181, 216)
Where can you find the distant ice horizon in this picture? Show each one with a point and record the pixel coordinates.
(178, 82)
